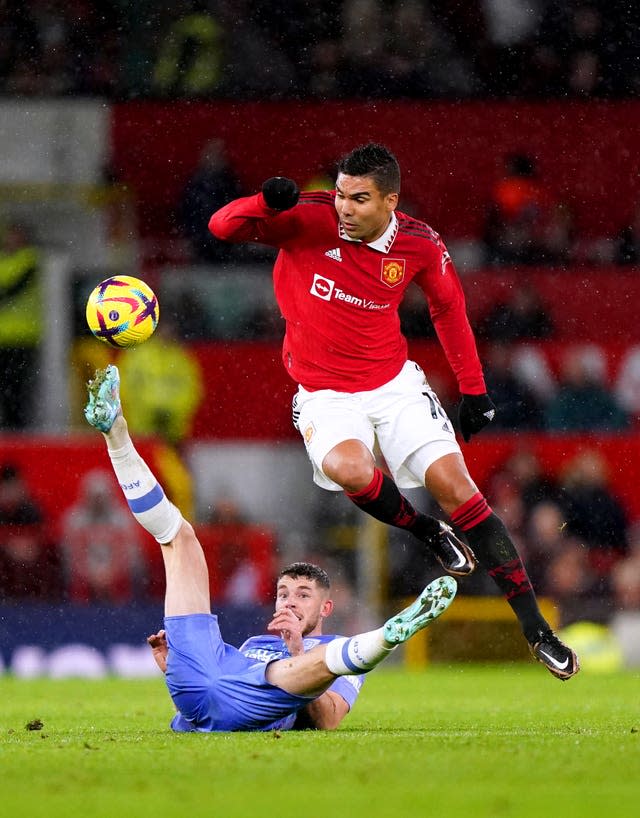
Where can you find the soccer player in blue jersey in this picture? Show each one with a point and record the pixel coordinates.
(292, 676)
(302, 604)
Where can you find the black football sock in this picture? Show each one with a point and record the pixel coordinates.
(496, 552)
(382, 500)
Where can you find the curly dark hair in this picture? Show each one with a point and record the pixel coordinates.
(376, 161)
(307, 570)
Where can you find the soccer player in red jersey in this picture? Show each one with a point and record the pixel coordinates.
(346, 258)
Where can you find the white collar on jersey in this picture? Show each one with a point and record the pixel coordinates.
(383, 243)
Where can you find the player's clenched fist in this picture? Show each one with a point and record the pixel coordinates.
(280, 193)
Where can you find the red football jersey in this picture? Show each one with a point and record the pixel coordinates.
(340, 297)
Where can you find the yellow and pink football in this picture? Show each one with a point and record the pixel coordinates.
(122, 311)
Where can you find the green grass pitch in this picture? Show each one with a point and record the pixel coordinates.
(458, 740)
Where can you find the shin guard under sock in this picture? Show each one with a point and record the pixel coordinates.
(358, 654)
(383, 500)
(146, 499)
(497, 553)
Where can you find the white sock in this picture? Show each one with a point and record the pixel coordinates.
(146, 499)
(358, 654)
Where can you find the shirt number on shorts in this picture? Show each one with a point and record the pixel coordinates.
(436, 408)
(438, 411)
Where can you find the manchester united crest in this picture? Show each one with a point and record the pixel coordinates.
(392, 271)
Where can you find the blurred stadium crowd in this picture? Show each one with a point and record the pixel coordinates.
(248, 49)
(579, 537)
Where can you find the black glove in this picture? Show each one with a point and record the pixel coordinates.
(280, 193)
(474, 412)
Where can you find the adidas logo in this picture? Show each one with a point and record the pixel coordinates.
(334, 254)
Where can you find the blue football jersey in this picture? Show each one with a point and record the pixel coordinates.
(217, 687)
(266, 648)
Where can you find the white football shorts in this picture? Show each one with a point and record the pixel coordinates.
(399, 419)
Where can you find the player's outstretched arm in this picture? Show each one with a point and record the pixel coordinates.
(258, 218)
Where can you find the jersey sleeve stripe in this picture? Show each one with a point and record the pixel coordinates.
(316, 198)
(415, 224)
(424, 234)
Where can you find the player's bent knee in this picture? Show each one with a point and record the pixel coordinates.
(448, 480)
(353, 471)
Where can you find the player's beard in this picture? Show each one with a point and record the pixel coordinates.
(311, 625)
